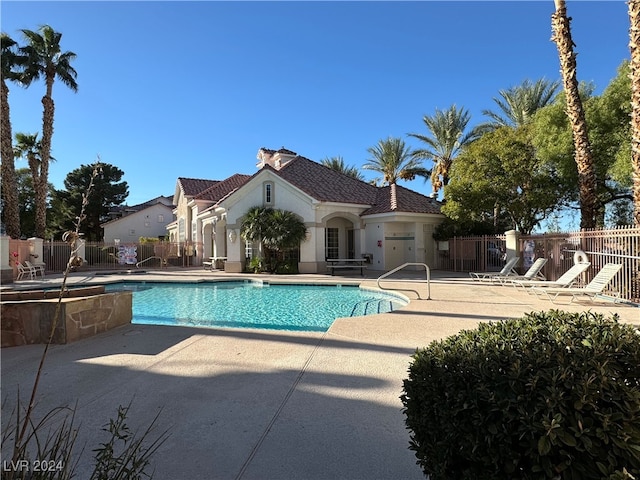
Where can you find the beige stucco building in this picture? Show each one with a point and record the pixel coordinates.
(345, 217)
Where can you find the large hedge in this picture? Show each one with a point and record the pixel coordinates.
(550, 395)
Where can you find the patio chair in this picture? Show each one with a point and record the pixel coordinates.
(567, 279)
(532, 274)
(508, 269)
(36, 268)
(24, 270)
(595, 287)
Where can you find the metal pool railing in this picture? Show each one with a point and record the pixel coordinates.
(410, 264)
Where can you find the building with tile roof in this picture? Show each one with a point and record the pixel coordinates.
(149, 219)
(345, 217)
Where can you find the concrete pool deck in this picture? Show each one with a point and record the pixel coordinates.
(259, 404)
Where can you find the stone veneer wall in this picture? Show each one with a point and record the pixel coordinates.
(29, 322)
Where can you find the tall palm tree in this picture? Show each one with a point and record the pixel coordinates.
(560, 24)
(447, 137)
(45, 59)
(30, 148)
(337, 164)
(518, 104)
(634, 47)
(395, 161)
(11, 62)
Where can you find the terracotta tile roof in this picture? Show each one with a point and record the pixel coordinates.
(396, 198)
(193, 186)
(325, 184)
(223, 188)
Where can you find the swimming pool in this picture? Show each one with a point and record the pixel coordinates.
(249, 304)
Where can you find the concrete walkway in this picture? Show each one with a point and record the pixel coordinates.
(257, 404)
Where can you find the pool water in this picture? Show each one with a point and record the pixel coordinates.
(253, 304)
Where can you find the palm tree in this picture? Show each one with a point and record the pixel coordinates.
(560, 24)
(395, 161)
(30, 148)
(337, 164)
(11, 61)
(45, 59)
(518, 104)
(278, 230)
(445, 141)
(634, 47)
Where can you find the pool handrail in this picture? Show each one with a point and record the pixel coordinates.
(427, 279)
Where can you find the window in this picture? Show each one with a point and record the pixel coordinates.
(160, 218)
(331, 243)
(268, 193)
(132, 232)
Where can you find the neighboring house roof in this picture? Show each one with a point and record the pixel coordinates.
(124, 210)
(145, 206)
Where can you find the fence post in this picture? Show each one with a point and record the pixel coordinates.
(35, 249)
(512, 243)
(6, 270)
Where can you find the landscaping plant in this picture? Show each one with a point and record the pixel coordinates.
(552, 395)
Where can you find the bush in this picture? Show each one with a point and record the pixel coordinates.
(550, 395)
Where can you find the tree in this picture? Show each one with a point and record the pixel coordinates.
(276, 230)
(394, 160)
(45, 59)
(12, 60)
(107, 192)
(560, 24)
(30, 148)
(337, 164)
(446, 139)
(499, 176)
(518, 104)
(608, 116)
(634, 48)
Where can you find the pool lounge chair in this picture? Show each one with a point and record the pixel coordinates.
(595, 287)
(532, 274)
(24, 270)
(37, 268)
(567, 279)
(508, 269)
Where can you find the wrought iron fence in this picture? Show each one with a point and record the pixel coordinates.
(617, 245)
(121, 256)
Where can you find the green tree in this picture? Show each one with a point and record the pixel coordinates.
(560, 24)
(446, 139)
(499, 176)
(394, 161)
(108, 191)
(518, 104)
(12, 61)
(45, 59)
(608, 116)
(337, 164)
(277, 230)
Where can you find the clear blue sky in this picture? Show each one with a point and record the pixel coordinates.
(194, 89)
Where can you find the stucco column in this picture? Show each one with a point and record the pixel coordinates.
(308, 262)
(35, 249)
(512, 244)
(235, 251)
(6, 270)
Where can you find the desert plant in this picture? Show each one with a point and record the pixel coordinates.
(550, 395)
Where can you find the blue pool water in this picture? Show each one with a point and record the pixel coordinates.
(253, 304)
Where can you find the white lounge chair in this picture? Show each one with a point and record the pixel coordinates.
(595, 287)
(567, 279)
(532, 274)
(508, 269)
(24, 270)
(38, 268)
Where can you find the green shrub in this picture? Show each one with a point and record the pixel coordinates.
(550, 395)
